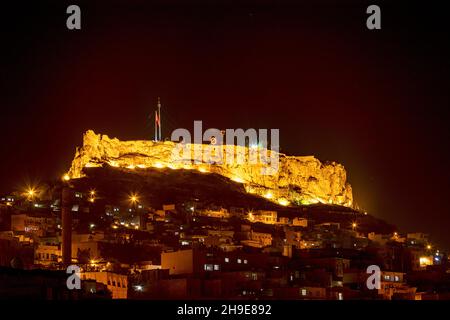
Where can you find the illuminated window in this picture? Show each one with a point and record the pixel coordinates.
(397, 278)
(387, 278)
(303, 292)
(245, 261)
(340, 296)
(239, 261)
(216, 267)
(209, 267)
(227, 260)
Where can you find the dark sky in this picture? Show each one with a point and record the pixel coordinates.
(375, 101)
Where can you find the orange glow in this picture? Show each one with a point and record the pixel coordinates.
(113, 164)
(66, 177)
(425, 261)
(134, 198)
(268, 195)
(30, 193)
(283, 202)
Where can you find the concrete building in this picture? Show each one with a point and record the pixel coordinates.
(116, 283)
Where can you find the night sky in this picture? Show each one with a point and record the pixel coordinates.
(375, 101)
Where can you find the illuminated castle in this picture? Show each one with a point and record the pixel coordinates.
(298, 180)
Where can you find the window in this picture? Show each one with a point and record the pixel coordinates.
(208, 267)
(340, 296)
(245, 261)
(397, 278)
(387, 277)
(114, 283)
(216, 267)
(239, 261)
(227, 260)
(303, 292)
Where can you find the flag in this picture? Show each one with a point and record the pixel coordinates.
(157, 121)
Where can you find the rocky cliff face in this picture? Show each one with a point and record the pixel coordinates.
(297, 180)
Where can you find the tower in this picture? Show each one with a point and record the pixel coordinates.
(66, 217)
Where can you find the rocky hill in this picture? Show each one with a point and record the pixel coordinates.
(298, 180)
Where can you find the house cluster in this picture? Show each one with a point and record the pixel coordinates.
(197, 250)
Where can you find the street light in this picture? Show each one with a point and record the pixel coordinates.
(92, 193)
(354, 225)
(31, 193)
(134, 198)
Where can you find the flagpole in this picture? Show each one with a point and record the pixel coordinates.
(156, 123)
(159, 118)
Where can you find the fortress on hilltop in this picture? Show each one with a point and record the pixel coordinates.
(297, 180)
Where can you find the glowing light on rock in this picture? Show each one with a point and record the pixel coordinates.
(268, 195)
(98, 149)
(283, 202)
(66, 177)
(113, 164)
(131, 167)
(237, 179)
(142, 166)
(203, 170)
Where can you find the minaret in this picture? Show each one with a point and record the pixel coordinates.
(66, 217)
